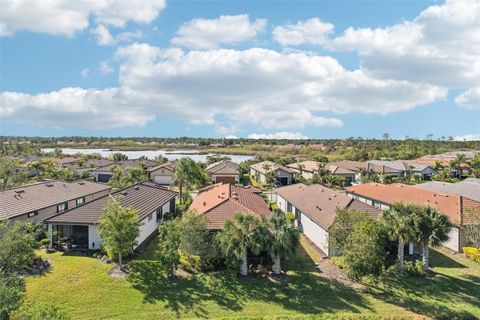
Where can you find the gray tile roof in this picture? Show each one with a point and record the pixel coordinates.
(260, 167)
(145, 197)
(223, 167)
(33, 197)
(467, 188)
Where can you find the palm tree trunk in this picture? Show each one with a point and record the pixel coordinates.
(276, 265)
(425, 254)
(244, 265)
(401, 253)
(180, 192)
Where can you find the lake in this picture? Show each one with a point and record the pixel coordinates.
(151, 154)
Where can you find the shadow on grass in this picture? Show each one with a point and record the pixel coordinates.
(437, 297)
(300, 290)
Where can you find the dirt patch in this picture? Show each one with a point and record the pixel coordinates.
(328, 270)
(118, 273)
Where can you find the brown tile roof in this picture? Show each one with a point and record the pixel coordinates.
(18, 201)
(146, 197)
(220, 202)
(62, 161)
(448, 204)
(308, 165)
(338, 170)
(273, 167)
(223, 167)
(320, 203)
(349, 165)
(168, 166)
(87, 164)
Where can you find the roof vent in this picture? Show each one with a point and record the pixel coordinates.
(123, 193)
(19, 191)
(136, 188)
(49, 185)
(320, 209)
(333, 195)
(81, 183)
(204, 203)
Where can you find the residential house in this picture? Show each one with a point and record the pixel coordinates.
(223, 171)
(456, 207)
(39, 201)
(283, 175)
(78, 227)
(352, 170)
(307, 169)
(162, 174)
(445, 159)
(401, 168)
(315, 208)
(104, 173)
(222, 201)
(87, 164)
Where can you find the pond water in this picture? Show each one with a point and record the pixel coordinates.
(151, 154)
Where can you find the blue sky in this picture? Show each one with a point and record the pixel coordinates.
(317, 69)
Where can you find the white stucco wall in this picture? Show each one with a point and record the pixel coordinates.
(453, 243)
(315, 233)
(94, 240)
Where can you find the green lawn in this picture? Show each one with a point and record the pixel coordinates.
(81, 286)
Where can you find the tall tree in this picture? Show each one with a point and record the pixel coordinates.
(345, 221)
(241, 236)
(431, 228)
(282, 239)
(399, 224)
(169, 242)
(119, 228)
(187, 173)
(117, 156)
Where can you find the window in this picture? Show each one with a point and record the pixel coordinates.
(32, 214)
(62, 207)
(159, 214)
(376, 204)
(150, 216)
(289, 207)
(80, 201)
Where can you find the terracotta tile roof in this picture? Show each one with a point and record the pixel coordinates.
(18, 201)
(320, 203)
(447, 203)
(146, 197)
(221, 201)
(260, 167)
(223, 167)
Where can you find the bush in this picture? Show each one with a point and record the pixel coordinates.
(190, 262)
(472, 253)
(414, 268)
(38, 312)
(44, 242)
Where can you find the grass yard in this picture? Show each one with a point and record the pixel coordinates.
(81, 286)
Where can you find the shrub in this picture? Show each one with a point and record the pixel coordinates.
(190, 262)
(44, 242)
(414, 268)
(472, 253)
(39, 312)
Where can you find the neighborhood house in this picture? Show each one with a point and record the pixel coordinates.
(222, 201)
(103, 174)
(315, 208)
(162, 174)
(223, 171)
(458, 208)
(39, 201)
(77, 228)
(281, 175)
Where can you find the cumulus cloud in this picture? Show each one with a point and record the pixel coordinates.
(105, 68)
(103, 36)
(211, 33)
(468, 137)
(278, 135)
(59, 17)
(274, 90)
(85, 72)
(470, 99)
(441, 47)
(312, 31)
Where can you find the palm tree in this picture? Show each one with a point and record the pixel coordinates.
(431, 228)
(186, 174)
(283, 239)
(241, 236)
(399, 223)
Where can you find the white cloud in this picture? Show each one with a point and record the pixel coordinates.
(105, 38)
(468, 137)
(273, 90)
(59, 17)
(105, 68)
(211, 33)
(102, 35)
(312, 31)
(441, 47)
(85, 72)
(470, 99)
(278, 135)
(231, 136)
